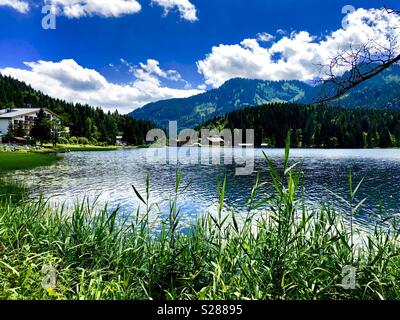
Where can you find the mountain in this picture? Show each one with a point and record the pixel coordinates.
(232, 95)
(380, 92)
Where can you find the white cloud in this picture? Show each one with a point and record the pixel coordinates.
(281, 32)
(265, 37)
(186, 9)
(69, 81)
(103, 8)
(19, 5)
(106, 8)
(152, 68)
(299, 55)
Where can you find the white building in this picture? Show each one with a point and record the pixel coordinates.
(24, 116)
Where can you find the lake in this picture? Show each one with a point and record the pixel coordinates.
(110, 175)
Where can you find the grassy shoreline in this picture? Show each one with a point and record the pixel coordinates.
(11, 161)
(72, 147)
(288, 252)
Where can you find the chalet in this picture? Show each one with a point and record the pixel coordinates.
(18, 116)
(119, 141)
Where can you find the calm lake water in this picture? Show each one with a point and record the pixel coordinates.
(110, 175)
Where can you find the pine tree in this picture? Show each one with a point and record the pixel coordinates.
(41, 130)
(20, 131)
(10, 133)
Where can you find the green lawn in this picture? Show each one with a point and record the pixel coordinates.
(10, 161)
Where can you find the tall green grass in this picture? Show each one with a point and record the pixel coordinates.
(285, 252)
(13, 191)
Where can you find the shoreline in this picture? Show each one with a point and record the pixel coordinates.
(19, 160)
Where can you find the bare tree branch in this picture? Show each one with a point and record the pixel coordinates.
(362, 62)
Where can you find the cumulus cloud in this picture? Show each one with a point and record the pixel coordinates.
(19, 5)
(103, 8)
(297, 56)
(186, 9)
(68, 80)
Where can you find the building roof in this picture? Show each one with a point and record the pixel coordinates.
(215, 139)
(18, 112)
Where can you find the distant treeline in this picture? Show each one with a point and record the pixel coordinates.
(82, 120)
(315, 126)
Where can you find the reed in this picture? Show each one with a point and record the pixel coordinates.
(285, 252)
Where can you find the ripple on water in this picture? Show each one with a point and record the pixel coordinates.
(110, 175)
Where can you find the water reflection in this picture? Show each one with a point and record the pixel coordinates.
(110, 176)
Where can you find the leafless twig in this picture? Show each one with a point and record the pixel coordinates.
(362, 62)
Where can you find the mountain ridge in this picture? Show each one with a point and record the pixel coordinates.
(380, 92)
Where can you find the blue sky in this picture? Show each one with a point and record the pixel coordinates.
(98, 43)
